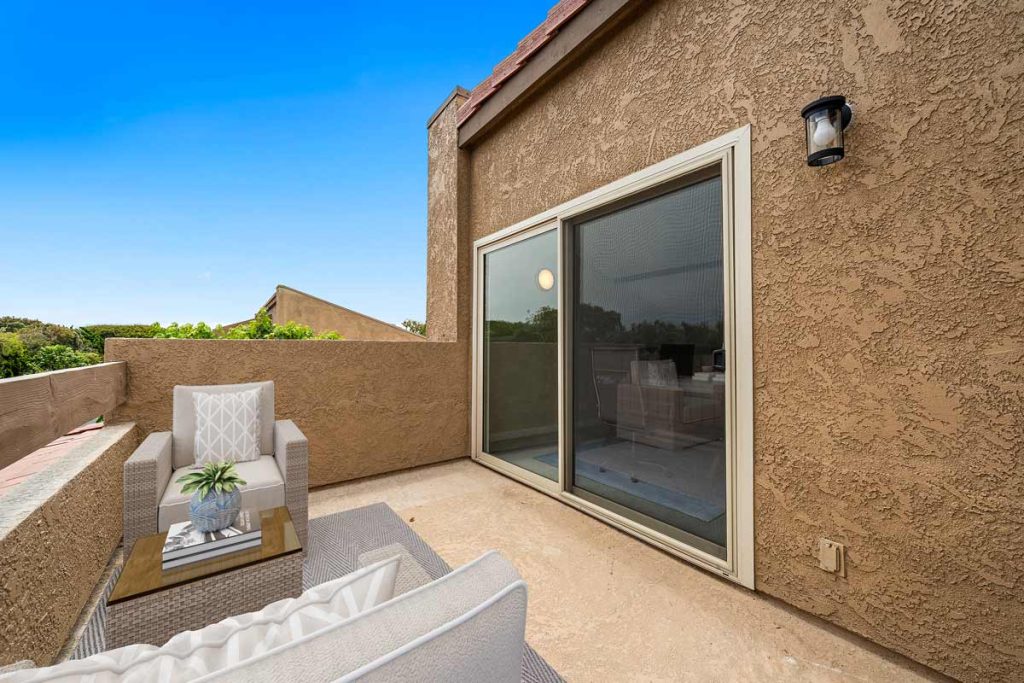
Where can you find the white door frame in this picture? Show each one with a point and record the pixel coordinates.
(732, 152)
(476, 432)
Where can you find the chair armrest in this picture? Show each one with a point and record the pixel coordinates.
(146, 474)
(291, 451)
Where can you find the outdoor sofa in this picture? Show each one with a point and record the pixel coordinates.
(468, 625)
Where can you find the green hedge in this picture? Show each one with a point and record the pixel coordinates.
(28, 345)
(260, 327)
(95, 335)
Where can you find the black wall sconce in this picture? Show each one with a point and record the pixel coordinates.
(825, 120)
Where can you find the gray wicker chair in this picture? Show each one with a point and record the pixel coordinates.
(152, 502)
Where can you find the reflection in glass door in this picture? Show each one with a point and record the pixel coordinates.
(613, 354)
(648, 362)
(520, 354)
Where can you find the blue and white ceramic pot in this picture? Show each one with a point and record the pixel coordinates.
(216, 511)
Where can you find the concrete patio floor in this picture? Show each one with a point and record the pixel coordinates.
(607, 607)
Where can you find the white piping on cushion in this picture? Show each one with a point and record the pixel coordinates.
(436, 633)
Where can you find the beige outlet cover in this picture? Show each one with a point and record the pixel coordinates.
(832, 556)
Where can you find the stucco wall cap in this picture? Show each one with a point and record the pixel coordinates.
(457, 91)
(30, 495)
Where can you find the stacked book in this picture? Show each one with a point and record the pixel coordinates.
(186, 545)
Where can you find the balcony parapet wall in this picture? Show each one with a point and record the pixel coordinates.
(58, 530)
(367, 407)
(36, 409)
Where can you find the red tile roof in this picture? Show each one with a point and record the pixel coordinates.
(40, 459)
(558, 16)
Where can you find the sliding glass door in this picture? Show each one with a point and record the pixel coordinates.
(649, 361)
(613, 358)
(520, 354)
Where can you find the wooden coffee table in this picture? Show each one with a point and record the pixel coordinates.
(150, 605)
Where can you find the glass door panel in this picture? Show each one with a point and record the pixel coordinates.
(520, 354)
(648, 363)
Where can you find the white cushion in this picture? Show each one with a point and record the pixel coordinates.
(484, 644)
(183, 427)
(264, 489)
(227, 426)
(479, 609)
(196, 653)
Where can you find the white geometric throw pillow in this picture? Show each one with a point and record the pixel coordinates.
(227, 426)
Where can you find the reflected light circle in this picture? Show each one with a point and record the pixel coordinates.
(546, 279)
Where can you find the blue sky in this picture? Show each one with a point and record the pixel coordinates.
(174, 161)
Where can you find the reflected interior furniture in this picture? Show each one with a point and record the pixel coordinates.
(150, 605)
(610, 367)
(660, 409)
(152, 499)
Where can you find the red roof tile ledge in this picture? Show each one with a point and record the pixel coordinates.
(558, 16)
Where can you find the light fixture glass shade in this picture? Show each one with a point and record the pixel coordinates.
(824, 121)
(545, 279)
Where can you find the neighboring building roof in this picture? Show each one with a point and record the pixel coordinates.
(571, 25)
(391, 330)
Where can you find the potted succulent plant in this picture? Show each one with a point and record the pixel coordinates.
(216, 499)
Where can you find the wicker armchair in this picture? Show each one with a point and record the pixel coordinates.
(280, 477)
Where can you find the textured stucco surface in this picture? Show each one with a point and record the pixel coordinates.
(294, 306)
(888, 289)
(52, 558)
(448, 258)
(366, 407)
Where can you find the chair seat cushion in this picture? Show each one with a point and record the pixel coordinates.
(264, 489)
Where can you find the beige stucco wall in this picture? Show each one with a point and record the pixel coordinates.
(294, 306)
(888, 289)
(448, 256)
(366, 407)
(52, 557)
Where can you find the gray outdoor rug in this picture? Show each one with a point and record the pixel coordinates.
(339, 544)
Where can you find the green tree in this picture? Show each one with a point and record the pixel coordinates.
(260, 327)
(187, 331)
(60, 357)
(10, 323)
(541, 326)
(36, 334)
(290, 330)
(49, 334)
(14, 359)
(600, 325)
(95, 335)
(416, 327)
